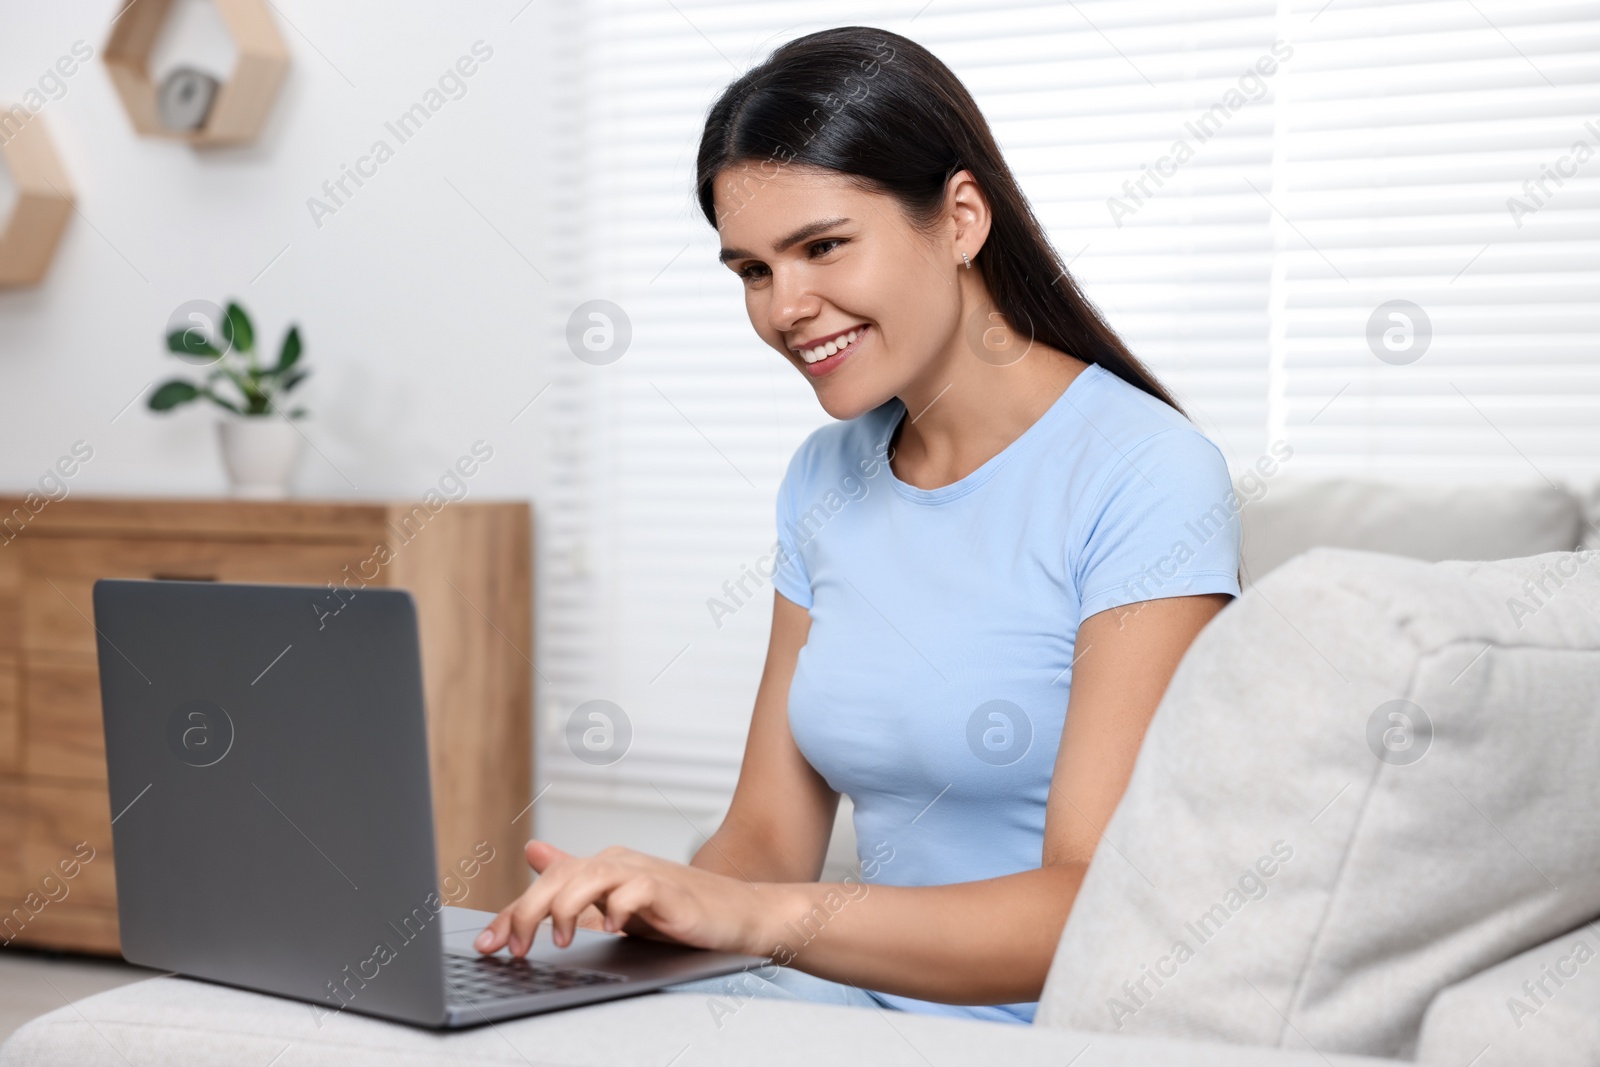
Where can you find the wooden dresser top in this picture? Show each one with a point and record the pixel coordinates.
(300, 519)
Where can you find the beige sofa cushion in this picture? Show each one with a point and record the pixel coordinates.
(1540, 1007)
(1286, 515)
(1591, 517)
(175, 1022)
(1285, 870)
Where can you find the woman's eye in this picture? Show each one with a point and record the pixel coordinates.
(757, 271)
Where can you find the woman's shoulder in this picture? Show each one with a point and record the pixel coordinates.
(1135, 442)
(1125, 415)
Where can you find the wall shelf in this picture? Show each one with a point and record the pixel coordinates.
(244, 99)
(30, 233)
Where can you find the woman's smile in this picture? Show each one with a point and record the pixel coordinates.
(825, 358)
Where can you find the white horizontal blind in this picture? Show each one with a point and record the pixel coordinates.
(1137, 129)
(1407, 132)
(665, 463)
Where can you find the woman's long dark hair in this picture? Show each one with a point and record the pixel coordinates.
(885, 111)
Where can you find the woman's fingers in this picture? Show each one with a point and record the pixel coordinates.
(569, 891)
(516, 924)
(541, 854)
(529, 910)
(648, 903)
(497, 935)
(493, 934)
(587, 886)
(625, 901)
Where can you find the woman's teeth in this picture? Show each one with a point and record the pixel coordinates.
(821, 352)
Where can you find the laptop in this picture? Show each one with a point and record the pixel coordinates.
(272, 824)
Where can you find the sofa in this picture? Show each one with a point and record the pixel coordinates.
(1364, 827)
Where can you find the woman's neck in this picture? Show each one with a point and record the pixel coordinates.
(967, 410)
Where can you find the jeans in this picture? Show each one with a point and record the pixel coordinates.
(780, 983)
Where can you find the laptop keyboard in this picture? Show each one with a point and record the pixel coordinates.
(471, 977)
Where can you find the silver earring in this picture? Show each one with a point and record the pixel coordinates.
(965, 260)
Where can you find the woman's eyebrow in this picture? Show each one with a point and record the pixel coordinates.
(810, 229)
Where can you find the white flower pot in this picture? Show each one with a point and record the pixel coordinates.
(259, 453)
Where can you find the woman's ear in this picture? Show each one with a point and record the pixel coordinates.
(968, 210)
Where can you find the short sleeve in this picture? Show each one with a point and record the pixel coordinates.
(789, 575)
(1165, 523)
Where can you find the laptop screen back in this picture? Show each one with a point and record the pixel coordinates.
(268, 766)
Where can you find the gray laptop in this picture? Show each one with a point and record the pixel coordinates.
(272, 822)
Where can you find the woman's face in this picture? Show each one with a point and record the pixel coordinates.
(820, 260)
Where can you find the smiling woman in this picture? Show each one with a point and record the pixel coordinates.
(945, 651)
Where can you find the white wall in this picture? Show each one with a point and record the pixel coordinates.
(415, 312)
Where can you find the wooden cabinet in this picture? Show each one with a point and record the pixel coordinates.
(468, 565)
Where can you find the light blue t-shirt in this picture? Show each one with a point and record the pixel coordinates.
(933, 686)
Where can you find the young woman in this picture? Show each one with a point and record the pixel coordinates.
(988, 568)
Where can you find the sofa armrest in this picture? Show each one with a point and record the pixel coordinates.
(1542, 1007)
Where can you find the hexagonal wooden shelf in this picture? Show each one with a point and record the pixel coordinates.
(43, 205)
(243, 100)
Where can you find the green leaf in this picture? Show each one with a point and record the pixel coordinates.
(190, 342)
(241, 381)
(291, 350)
(293, 380)
(222, 402)
(171, 394)
(236, 329)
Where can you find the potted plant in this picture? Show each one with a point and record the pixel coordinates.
(259, 440)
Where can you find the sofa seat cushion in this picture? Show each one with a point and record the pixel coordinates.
(1369, 778)
(180, 1022)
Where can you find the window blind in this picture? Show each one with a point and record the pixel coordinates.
(1436, 180)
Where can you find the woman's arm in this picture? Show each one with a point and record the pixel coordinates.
(985, 942)
(992, 941)
(778, 825)
(781, 817)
